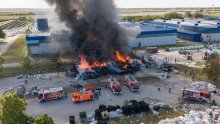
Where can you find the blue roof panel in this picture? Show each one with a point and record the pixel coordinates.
(201, 29)
(36, 38)
(149, 29)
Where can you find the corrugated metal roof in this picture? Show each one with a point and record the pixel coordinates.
(190, 26)
(149, 29)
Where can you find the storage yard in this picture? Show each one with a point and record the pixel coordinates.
(192, 30)
(150, 82)
(80, 63)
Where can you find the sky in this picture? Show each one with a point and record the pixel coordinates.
(120, 3)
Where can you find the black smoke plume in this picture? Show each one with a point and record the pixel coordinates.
(94, 26)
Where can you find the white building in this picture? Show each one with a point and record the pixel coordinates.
(153, 36)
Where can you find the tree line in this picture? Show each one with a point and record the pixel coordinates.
(167, 16)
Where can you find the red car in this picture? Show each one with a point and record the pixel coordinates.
(132, 83)
(114, 85)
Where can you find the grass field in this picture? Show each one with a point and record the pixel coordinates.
(35, 69)
(182, 44)
(12, 13)
(16, 51)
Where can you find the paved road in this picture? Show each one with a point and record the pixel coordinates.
(61, 110)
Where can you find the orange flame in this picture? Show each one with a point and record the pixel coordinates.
(84, 64)
(120, 58)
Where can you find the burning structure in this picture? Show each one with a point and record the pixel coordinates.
(119, 64)
(93, 26)
(96, 35)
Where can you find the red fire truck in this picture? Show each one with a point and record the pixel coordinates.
(151, 50)
(114, 85)
(199, 95)
(50, 94)
(132, 83)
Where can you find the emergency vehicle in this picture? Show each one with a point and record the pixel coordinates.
(50, 94)
(132, 83)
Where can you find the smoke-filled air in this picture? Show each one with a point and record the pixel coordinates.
(94, 26)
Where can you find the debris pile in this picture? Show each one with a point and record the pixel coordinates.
(158, 106)
(134, 107)
(203, 86)
(194, 117)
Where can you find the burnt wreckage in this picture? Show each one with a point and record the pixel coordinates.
(120, 65)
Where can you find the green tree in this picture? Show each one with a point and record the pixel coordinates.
(26, 63)
(198, 15)
(212, 66)
(188, 14)
(22, 18)
(1, 63)
(13, 110)
(201, 10)
(44, 119)
(173, 15)
(2, 34)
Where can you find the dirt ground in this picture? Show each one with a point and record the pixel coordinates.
(60, 110)
(197, 56)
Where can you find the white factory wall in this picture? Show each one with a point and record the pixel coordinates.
(47, 48)
(212, 37)
(154, 41)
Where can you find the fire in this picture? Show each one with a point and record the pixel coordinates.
(85, 65)
(123, 59)
(119, 57)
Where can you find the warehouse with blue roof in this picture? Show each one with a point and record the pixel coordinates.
(152, 36)
(147, 36)
(47, 44)
(193, 30)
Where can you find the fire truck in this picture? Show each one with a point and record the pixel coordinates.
(87, 94)
(151, 49)
(82, 96)
(132, 83)
(198, 95)
(50, 94)
(114, 85)
(89, 89)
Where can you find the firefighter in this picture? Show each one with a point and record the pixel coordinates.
(96, 95)
(169, 90)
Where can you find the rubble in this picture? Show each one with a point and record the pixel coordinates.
(202, 85)
(209, 116)
(194, 117)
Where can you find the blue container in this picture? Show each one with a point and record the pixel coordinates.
(42, 25)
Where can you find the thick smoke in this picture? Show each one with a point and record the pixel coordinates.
(94, 26)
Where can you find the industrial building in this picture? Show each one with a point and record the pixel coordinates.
(47, 43)
(192, 30)
(152, 36)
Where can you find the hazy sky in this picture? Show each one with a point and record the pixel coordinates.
(119, 3)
